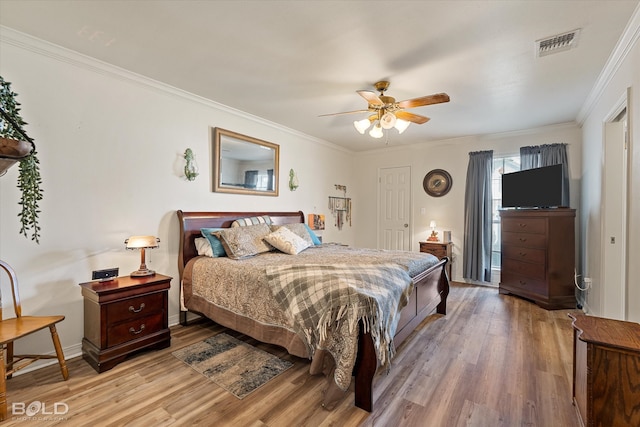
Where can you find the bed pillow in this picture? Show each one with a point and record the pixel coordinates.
(241, 242)
(252, 220)
(298, 228)
(314, 237)
(287, 241)
(216, 246)
(203, 246)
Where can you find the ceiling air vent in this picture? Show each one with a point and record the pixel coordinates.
(557, 43)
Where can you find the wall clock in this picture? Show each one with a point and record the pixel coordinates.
(437, 182)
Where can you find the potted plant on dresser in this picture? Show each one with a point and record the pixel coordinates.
(17, 147)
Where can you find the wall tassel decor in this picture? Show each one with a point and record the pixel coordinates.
(340, 207)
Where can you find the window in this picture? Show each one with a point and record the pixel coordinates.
(501, 165)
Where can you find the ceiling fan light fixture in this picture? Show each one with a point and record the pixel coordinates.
(388, 120)
(376, 131)
(362, 125)
(402, 125)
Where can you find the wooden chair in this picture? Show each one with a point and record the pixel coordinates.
(18, 327)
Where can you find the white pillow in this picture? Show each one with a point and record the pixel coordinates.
(287, 241)
(203, 247)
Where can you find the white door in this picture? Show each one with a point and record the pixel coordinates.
(394, 217)
(614, 208)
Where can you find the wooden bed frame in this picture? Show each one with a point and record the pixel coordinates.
(430, 293)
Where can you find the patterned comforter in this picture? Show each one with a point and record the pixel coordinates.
(253, 287)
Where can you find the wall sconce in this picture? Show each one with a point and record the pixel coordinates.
(293, 180)
(142, 243)
(434, 233)
(191, 168)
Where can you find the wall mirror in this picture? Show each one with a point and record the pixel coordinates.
(244, 165)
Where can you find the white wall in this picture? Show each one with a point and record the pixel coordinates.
(110, 145)
(624, 73)
(453, 156)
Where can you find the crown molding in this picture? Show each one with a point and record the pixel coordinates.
(625, 44)
(68, 56)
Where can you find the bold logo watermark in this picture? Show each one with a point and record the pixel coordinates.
(39, 410)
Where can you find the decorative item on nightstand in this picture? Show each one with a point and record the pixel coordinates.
(142, 243)
(434, 234)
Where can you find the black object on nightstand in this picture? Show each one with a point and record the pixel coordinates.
(124, 316)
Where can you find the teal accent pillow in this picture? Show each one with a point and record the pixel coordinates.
(314, 236)
(216, 245)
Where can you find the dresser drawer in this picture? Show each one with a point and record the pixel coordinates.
(525, 225)
(522, 253)
(133, 308)
(524, 239)
(521, 284)
(134, 329)
(527, 269)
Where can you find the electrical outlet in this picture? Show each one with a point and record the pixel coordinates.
(588, 281)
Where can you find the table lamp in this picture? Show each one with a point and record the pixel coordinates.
(434, 233)
(142, 243)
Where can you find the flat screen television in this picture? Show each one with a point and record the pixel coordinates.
(533, 188)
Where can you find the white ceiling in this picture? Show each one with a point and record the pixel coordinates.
(291, 61)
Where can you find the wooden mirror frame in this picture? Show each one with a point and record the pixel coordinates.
(220, 137)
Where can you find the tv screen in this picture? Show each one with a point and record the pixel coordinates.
(533, 188)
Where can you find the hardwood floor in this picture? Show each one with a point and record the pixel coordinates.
(493, 360)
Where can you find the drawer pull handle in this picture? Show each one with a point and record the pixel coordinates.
(134, 332)
(523, 254)
(522, 282)
(133, 310)
(522, 239)
(522, 225)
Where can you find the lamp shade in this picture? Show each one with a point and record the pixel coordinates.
(388, 120)
(137, 242)
(362, 125)
(402, 125)
(432, 224)
(376, 131)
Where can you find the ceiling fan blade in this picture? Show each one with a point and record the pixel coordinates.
(437, 98)
(345, 112)
(410, 117)
(371, 97)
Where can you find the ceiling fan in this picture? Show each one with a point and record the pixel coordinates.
(387, 113)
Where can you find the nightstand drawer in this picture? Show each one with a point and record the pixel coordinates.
(438, 251)
(134, 329)
(134, 308)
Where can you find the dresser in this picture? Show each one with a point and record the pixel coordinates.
(606, 371)
(538, 256)
(124, 316)
(439, 250)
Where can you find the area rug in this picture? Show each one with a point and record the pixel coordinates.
(232, 364)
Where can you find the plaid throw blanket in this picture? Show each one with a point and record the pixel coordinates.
(321, 297)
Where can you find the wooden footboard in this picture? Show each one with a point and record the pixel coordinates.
(430, 293)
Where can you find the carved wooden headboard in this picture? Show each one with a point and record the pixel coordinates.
(192, 222)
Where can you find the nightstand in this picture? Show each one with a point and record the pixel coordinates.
(439, 250)
(124, 316)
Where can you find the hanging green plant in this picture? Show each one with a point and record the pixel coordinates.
(29, 179)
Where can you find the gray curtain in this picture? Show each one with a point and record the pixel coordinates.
(548, 155)
(251, 179)
(476, 256)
